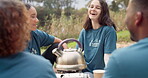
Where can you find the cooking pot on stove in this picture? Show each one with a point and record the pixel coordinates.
(69, 59)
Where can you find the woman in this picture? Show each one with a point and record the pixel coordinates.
(14, 34)
(40, 38)
(98, 36)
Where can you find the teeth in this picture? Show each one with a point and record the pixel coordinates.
(93, 14)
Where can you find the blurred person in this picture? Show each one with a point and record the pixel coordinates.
(98, 36)
(40, 38)
(14, 34)
(131, 61)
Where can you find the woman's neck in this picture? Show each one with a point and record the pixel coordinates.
(95, 24)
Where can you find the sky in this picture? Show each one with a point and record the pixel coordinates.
(78, 5)
(82, 3)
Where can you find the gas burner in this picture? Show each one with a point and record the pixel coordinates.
(72, 75)
(66, 71)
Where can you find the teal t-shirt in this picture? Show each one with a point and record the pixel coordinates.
(39, 39)
(95, 44)
(25, 65)
(129, 62)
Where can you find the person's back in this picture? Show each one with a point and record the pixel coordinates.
(25, 65)
(129, 62)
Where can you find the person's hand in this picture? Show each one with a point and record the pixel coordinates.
(65, 46)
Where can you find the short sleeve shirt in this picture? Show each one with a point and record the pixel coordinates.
(39, 39)
(95, 44)
(25, 65)
(129, 62)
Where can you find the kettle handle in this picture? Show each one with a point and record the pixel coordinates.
(67, 40)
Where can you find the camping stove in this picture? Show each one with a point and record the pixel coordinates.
(71, 74)
(70, 62)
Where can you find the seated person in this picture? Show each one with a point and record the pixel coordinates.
(40, 38)
(131, 61)
(14, 34)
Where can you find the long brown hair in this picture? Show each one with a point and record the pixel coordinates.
(14, 29)
(104, 18)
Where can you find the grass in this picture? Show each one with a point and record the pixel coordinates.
(72, 45)
(123, 36)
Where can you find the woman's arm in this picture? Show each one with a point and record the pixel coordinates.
(106, 58)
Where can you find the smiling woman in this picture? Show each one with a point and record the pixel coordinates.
(98, 36)
(94, 11)
(40, 38)
(33, 17)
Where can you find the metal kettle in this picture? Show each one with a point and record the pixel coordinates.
(69, 59)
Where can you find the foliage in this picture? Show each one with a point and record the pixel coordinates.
(118, 18)
(123, 3)
(114, 7)
(50, 7)
(118, 4)
(72, 45)
(70, 27)
(123, 36)
(66, 27)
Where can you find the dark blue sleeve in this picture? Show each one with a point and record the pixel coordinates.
(45, 39)
(81, 38)
(110, 41)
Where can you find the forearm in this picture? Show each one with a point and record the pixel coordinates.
(106, 58)
(57, 40)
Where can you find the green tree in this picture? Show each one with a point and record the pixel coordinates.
(114, 6)
(123, 3)
(54, 7)
(30, 1)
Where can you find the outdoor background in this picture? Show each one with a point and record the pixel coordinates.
(65, 18)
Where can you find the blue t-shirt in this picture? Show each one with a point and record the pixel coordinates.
(129, 62)
(39, 39)
(25, 65)
(97, 42)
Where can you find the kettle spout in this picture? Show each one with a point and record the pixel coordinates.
(57, 52)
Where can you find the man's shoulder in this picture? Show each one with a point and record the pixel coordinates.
(123, 51)
(132, 51)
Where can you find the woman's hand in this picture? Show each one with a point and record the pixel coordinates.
(65, 46)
